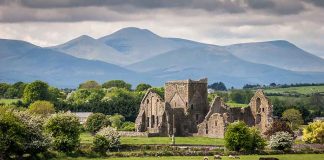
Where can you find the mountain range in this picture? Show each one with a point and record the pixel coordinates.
(138, 55)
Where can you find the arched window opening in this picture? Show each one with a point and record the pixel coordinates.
(258, 105)
(206, 128)
(152, 119)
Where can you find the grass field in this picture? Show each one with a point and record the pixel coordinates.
(88, 138)
(249, 157)
(301, 90)
(233, 104)
(8, 101)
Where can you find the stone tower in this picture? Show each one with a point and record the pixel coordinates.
(261, 109)
(187, 101)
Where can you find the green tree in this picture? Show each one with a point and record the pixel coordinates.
(44, 108)
(34, 91)
(65, 130)
(128, 126)
(20, 86)
(314, 132)
(142, 87)
(89, 85)
(241, 96)
(294, 117)
(279, 106)
(117, 84)
(256, 140)
(116, 121)
(159, 90)
(237, 136)
(11, 92)
(79, 97)
(12, 133)
(123, 102)
(3, 89)
(96, 121)
(218, 86)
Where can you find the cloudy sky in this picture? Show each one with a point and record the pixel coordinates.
(222, 22)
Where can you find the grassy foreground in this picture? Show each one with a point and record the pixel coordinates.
(248, 157)
(88, 138)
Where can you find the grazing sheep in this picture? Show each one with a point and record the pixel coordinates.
(233, 157)
(205, 158)
(217, 157)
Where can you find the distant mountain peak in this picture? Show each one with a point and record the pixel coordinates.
(132, 32)
(82, 38)
(282, 43)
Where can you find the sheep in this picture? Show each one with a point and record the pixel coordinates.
(233, 157)
(217, 157)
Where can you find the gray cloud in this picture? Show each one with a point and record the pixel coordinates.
(318, 3)
(50, 22)
(118, 10)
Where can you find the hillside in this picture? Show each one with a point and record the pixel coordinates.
(281, 54)
(218, 65)
(23, 61)
(139, 55)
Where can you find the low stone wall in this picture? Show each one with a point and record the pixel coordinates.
(132, 134)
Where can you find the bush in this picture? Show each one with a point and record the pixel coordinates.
(128, 126)
(240, 137)
(21, 133)
(37, 141)
(65, 131)
(281, 141)
(237, 136)
(257, 142)
(314, 132)
(12, 133)
(107, 138)
(96, 121)
(278, 126)
(116, 121)
(44, 108)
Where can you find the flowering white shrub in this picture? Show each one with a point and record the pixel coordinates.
(281, 141)
(36, 141)
(105, 139)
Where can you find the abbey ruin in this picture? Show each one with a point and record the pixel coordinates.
(185, 111)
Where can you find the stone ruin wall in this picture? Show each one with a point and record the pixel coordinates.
(184, 111)
(258, 113)
(151, 114)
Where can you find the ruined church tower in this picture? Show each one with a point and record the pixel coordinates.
(187, 100)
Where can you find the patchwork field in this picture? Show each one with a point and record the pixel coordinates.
(301, 90)
(248, 157)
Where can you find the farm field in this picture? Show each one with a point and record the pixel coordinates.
(8, 101)
(233, 104)
(301, 90)
(248, 157)
(87, 138)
